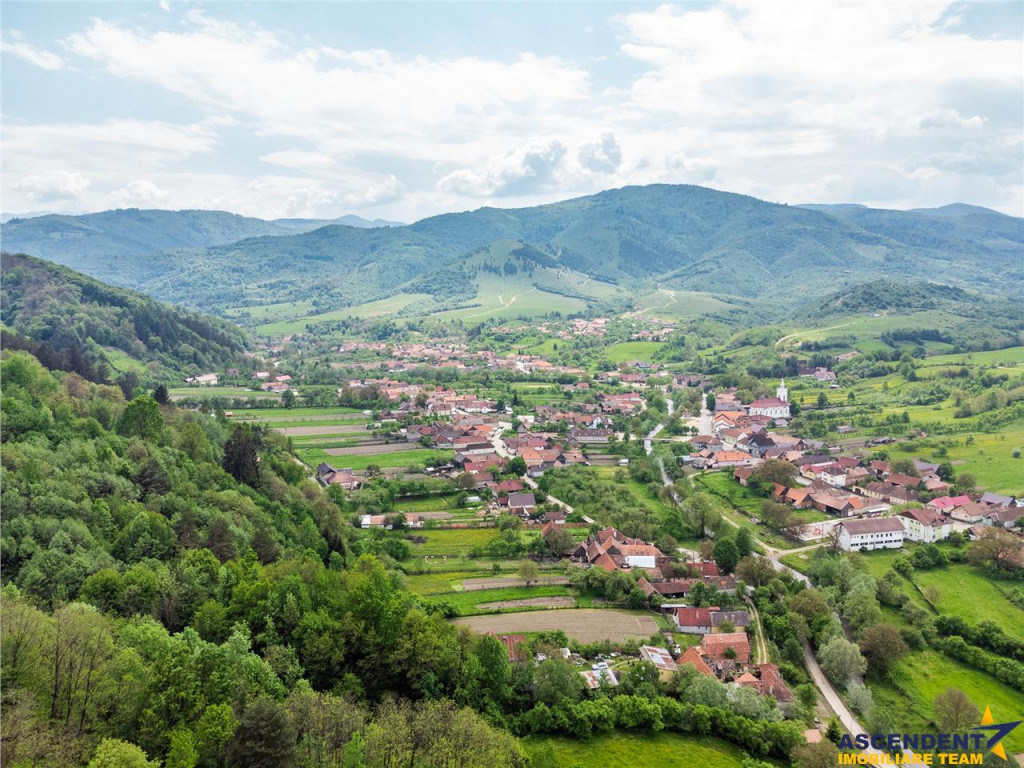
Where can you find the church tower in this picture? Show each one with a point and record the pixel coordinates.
(782, 393)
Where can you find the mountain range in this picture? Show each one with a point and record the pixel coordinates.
(635, 239)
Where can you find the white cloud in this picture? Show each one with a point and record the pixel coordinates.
(603, 156)
(141, 192)
(53, 186)
(527, 170)
(340, 100)
(13, 44)
(795, 101)
(300, 160)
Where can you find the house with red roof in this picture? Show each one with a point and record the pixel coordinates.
(728, 646)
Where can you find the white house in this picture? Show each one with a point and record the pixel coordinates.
(873, 533)
(924, 525)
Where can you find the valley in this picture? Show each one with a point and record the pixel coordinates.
(547, 470)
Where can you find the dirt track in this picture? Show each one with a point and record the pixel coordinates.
(587, 625)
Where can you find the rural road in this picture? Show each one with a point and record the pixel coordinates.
(822, 683)
(501, 450)
(835, 703)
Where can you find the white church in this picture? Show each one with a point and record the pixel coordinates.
(774, 407)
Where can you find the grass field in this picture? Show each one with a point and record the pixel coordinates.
(386, 306)
(177, 393)
(300, 417)
(963, 591)
(989, 458)
(438, 583)
(454, 542)
(865, 330)
(738, 497)
(122, 361)
(639, 491)
(997, 358)
(620, 749)
(401, 459)
(632, 350)
(966, 592)
(266, 313)
(920, 676)
(468, 602)
(512, 296)
(670, 304)
(445, 502)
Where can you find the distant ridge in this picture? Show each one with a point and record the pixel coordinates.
(676, 237)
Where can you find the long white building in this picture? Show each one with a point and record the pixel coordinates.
(873, 533)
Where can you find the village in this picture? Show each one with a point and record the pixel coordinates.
(499, 551)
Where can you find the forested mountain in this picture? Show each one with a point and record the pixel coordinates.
(71, 322)
(166, 583)
(104, 244)
(681, 237)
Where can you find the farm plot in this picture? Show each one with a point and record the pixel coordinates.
(588, 625)
(475, 585)
(288, 417)
(323, 429)
(368, 450)
(529, 602)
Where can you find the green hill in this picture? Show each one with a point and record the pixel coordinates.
(673, 237)
(74, 322)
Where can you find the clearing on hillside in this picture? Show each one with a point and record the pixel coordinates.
(588, 625)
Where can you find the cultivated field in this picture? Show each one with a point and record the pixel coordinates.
(368, 450)
(528, 602)
(584, 624)
(323, 429)
(475, 585)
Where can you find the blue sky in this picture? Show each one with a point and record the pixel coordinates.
(406, 110)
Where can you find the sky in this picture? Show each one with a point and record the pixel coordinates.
(401, 111)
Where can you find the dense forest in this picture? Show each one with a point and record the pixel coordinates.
(67, 319)
(177, 589)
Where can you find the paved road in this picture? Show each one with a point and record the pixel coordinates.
(835, 703)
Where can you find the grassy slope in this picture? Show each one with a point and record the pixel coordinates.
(920, 676)
(675, 304)
(663, 750)
(963, 591)
(386, 306)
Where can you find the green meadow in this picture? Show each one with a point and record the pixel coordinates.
(620, 749)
